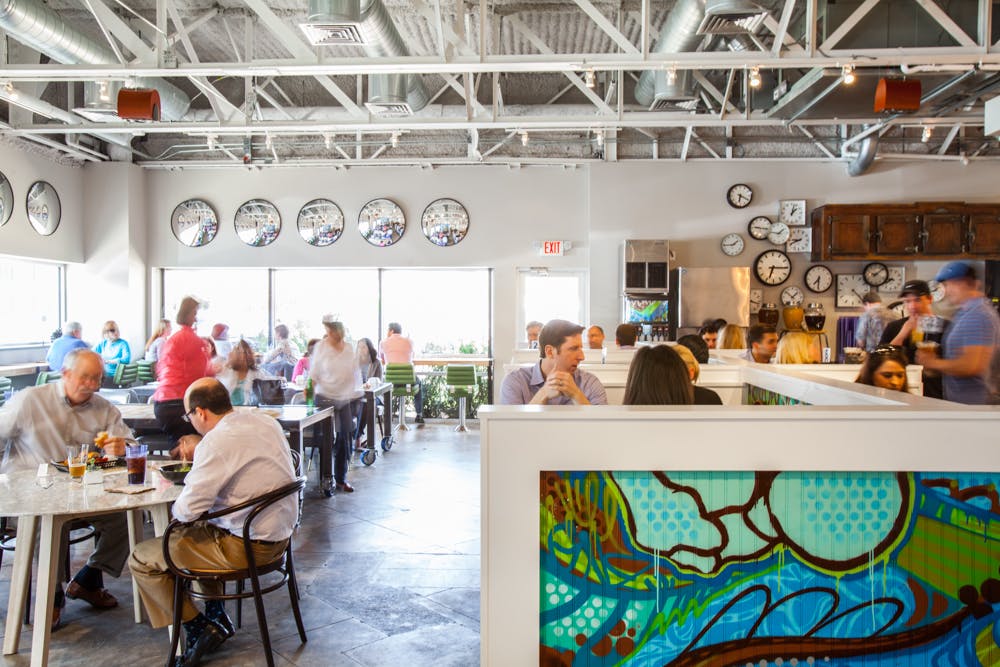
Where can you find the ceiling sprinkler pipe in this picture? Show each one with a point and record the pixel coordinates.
(917, 69)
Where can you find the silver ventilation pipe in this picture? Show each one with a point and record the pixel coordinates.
(34, 24)
(866, 155)
(382, 39)
(678, 35)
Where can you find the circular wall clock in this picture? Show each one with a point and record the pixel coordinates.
(759, 227)
(819, 279)
(772, 267)
(792, 296)
(739, 195)
(876, 273)
(732, 244)
(779, 233)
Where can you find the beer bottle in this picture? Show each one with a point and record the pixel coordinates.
(310, 393)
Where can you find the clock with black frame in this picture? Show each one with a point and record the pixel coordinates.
(772, 267)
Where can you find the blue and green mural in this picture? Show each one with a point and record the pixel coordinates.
(779, 568)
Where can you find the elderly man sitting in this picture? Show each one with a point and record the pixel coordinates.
(36, 425)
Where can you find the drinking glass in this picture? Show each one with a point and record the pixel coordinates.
(135, 463)
(76, 461)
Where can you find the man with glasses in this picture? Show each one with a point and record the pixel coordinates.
(916, 296)
(36, 426)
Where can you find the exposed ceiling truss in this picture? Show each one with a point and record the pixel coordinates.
(510, 81)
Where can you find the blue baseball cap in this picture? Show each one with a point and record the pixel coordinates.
(955, 270)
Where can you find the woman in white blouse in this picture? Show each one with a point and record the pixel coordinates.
(337, 381)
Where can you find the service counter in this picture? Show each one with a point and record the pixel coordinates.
(838, 520)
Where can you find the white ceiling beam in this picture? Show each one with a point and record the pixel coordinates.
(724, 102)
(708, 149)
(499, 144)
(811, 14)
(301, 50)
(273, 102)
(687, 143)
(604, 24)
(197, 23)
(237, 56)
(946, 22)
(798, 88)
(779, 34)
(985, 23)
(644, 14)
(817, 142)
(539, 44)
(952, 133)
(787, 40)
(446, 33)
(710, 88)
(109, 22)
(834, 38)
(460, 88)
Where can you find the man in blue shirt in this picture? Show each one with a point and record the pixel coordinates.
(971, 365)
(555, 379)
(70, 340)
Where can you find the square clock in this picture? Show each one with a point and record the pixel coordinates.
(792, 212)
(800, 239)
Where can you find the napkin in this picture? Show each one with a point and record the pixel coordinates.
(128, 489)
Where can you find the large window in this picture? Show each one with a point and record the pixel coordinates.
(550, 294)
(30, 294)
(303, 297)
(236, 297)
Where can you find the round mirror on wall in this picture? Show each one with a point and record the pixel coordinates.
(445, 222)
(321, 222)
(6, 200)
(194, 223)
(381, 222)
(44, 209)
(258, 222)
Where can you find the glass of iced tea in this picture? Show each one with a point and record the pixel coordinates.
(135, 463)
(76, 461)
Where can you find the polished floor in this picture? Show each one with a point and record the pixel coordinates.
(389, 574)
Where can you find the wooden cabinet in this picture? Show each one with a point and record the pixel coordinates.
(928, 230)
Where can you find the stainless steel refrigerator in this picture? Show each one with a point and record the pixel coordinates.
(698, 294)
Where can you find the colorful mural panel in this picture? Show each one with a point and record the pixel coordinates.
(769, 568)
(754, 395)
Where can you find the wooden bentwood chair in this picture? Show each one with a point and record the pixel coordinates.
(183, 578)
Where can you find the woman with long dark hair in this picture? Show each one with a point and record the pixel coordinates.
(658, 376)
(885, 368)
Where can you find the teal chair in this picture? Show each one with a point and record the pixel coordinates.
(460, 379)
(45, 377)
(404, 384)
(125, 375)
(5, 386)
(146, 372)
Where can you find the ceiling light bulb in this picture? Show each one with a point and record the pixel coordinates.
(524, 138)
(328, 141)
(926, 135)
(849, 75)
(211, 142)
(589, 78)
(754, 80)
(600, 139)
(394, 139)
(268, 144)
(102, 91)
(671, 76)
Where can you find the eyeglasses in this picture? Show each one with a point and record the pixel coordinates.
(111, 331)
(187, 415)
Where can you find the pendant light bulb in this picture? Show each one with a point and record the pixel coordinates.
(925, 136)
(328, 140)
(394, 139)
(524, 137)
(671, 76)
(589, 78)
(754, 79)
(849, 75)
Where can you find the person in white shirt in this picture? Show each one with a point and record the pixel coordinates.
(35, 427)
(337, 378)
(242, 455)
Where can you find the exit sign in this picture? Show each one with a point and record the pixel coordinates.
(550, 248)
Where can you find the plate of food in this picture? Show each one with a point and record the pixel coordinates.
(99, 461)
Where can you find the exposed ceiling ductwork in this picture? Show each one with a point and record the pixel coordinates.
(34, 24)
(678, 35)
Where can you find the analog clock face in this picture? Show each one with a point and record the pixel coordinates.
(897, 276)
(772, 267)
(739, 195)
(851, 288)
(732, 244)
(779, 233)
(759, 227)
(756, 299)
(800, 239)
(792, 296)
(819, 279)
(792, 211)
(876, 273)
(937, 291)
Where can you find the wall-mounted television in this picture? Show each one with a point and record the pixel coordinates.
(646, 310)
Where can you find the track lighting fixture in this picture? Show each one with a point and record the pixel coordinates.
(600, 138)
(524, 137)
(926, 134)
(102, 91)
(210, 140)
(671, 76)
(328, 140)
(589, 78)
(268, 144)
(849, 75)
(754, 79)
(394, 139)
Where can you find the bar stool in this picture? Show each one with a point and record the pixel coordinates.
(404, 383)
(461, 382)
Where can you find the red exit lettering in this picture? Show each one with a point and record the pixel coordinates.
(552, 248)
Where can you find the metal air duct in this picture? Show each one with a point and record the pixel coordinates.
(866, 155)
(383, 40)
(333, 22)
(678, 35)
(34, 24)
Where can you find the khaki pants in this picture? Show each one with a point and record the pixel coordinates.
(199, 546)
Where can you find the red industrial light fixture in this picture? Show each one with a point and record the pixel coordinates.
(139, 104)
(896, 94)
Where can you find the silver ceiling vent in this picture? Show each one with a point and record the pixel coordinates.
(731, 17)
(673, 92)
(387, 95)
(100, 101)
(333, 22)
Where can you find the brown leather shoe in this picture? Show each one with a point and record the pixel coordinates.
(56, 619)
(345, 488)
(100, 599)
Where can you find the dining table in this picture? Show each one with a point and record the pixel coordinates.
(47, 498)
(294, 419)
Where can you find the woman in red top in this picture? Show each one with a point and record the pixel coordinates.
(182, 361)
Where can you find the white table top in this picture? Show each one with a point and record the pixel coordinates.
(21, 495)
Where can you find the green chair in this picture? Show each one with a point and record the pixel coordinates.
(146, 372)
(45, 377)
(5, 386)
(404, 383)
(461, 382)
(125, 375)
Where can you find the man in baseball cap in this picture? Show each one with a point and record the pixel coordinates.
(971, 357)
(916, 296)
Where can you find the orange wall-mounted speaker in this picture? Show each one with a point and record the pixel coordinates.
(897, 95)
(139, 104)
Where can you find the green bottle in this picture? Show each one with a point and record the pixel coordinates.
(310, 393)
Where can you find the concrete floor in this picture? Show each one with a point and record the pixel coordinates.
(389, 574)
